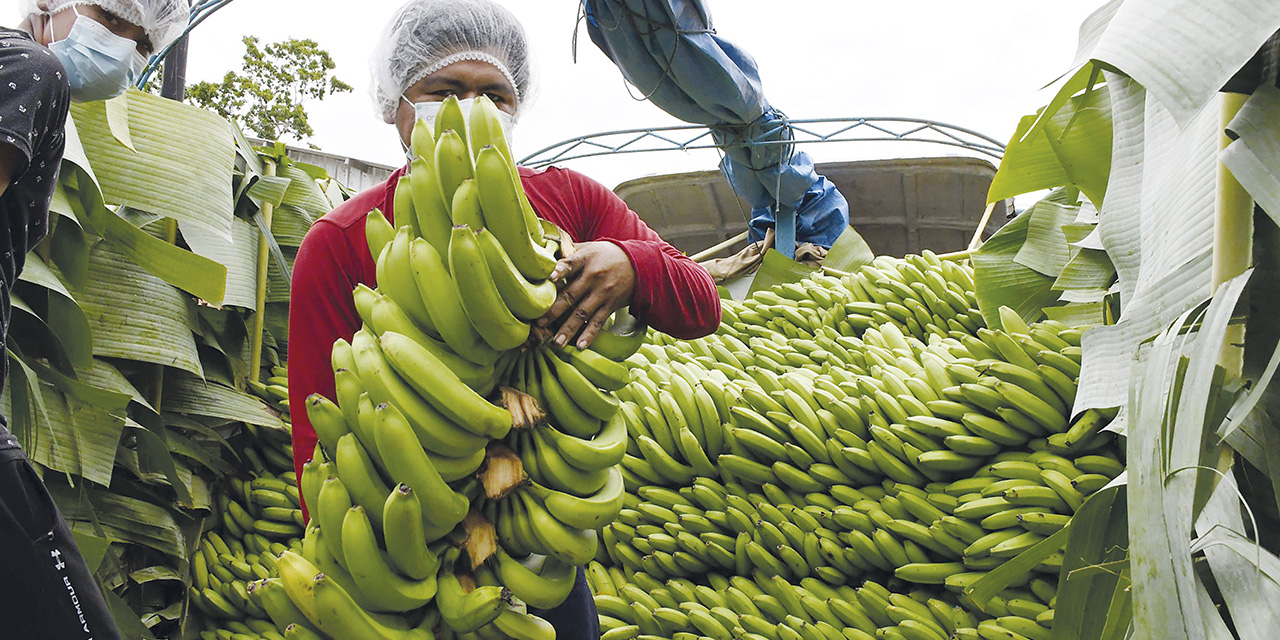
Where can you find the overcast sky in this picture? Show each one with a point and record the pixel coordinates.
(980, 65)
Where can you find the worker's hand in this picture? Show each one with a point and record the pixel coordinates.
(598, 279)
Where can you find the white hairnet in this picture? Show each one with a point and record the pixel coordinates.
(163, 20)
(425, 36)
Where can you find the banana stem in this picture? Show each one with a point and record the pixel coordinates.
(259, 316)
(1232, 234)
(982, 224)
(711, 251)
(157, 391)
(957, 256)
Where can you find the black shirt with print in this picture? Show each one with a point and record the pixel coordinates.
(34, 99)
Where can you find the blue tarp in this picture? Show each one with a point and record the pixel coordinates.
(668, 50)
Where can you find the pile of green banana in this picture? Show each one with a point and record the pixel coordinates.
(466, 467)
(842, 459)
(259, 518)
(275, 390)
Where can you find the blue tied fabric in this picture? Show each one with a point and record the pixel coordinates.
(668, 50)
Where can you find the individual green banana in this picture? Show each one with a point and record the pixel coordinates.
(379, 233)
(569, 545)
(515, 624)
(433, 380)
(328, 421)
(584, 513)
(479, 294)
(405, 537)
(330, 508)
(452, 162)
(526, 300)
(593, 401)
(437, 284)
(466, 611)
(402, 207)
(361, 477)
(604, 450)
(429, 205)
(392, 270)
(543, 589)
(621, 336)
(373, 574)
(270, 595)
(602, 371)
(341, 618)
(443, 508)
(450, 117)
(433, 430)
(500, 198)
(484, 128)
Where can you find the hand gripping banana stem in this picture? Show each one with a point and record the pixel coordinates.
(500, 199)
(443, 508)
(433, 379)
(436, 284)
(479, 294)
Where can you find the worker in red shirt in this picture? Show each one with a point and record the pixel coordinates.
(433, 49)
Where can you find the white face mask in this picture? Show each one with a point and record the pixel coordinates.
(100, 64)
(430, 111)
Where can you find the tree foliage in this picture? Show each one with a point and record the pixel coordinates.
(267, 96)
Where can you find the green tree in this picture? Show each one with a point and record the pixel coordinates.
(267, 95)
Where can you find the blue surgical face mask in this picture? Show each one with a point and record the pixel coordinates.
(429, 111)
(100, 65)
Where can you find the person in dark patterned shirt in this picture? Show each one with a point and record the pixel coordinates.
(66, 50)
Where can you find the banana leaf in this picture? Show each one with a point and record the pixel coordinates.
(777, 268)
(191, 273)
(303, 194)
(1001, 281)
(144, 179)
(1069, 147)
(188, 394)
(849, 252)
(136, 315)
(290, 224)
(122, 519)
(74, 437)
(1182, 51)
(1045, 249)
(1254, 157)
(239, 255)
(65, 318)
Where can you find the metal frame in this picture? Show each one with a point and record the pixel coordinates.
(200, 10)
(808, 131)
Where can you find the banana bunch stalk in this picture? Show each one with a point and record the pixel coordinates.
(464, 469)
(260, 519)
(843, 458)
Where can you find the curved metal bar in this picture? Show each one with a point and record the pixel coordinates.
(199, 12)
(627, 141)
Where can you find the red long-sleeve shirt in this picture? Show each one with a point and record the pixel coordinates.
(672, 293)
